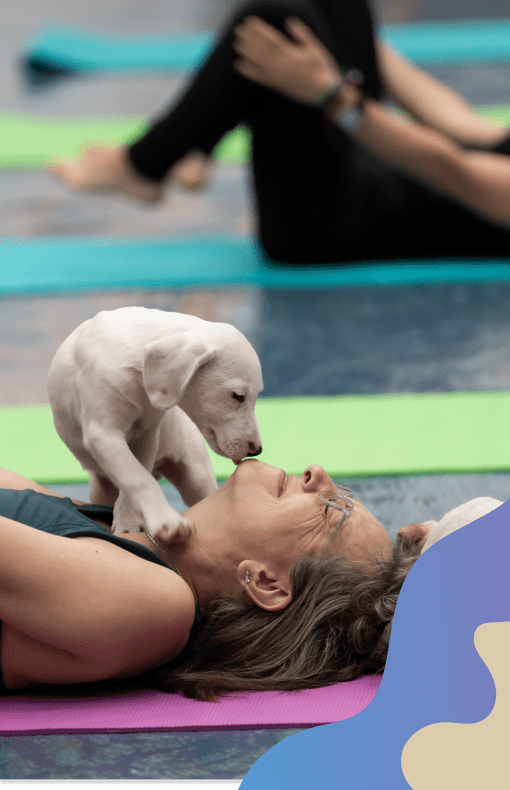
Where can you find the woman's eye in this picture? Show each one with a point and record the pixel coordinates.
(238, 397)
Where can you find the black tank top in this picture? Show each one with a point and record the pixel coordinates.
(62, 517)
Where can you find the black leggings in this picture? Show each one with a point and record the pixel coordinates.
(319, 196)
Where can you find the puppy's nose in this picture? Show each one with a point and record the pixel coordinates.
(253, 450)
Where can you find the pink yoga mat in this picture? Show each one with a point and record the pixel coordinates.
(154, 711)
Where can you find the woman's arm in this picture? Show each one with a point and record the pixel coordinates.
(433, 103)
(305, 69)
(82, 610)
(478, 180)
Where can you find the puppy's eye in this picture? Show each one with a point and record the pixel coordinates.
(238, 397)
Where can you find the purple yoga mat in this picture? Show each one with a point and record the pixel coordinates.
(153, 711)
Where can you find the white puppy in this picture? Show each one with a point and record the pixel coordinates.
(127, 389)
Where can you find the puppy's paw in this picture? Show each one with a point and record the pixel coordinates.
(125, 518)
(179, 532)
(121, 527)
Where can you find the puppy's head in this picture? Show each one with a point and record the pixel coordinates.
(215, 377)
(220, 397)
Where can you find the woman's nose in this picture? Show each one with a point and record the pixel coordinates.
(315, 478)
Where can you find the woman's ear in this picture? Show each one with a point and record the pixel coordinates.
(268, 589)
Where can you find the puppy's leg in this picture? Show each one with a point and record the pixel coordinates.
(102, 491)
(191, 483)
(141, 503)
(183, 457)
(145, 450)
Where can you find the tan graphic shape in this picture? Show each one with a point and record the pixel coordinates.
(447, 756)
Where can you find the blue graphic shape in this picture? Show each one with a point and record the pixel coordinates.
(433, 674)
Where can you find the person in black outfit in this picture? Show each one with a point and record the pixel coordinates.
(337, 175)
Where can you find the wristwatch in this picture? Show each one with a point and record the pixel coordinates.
(349, 119)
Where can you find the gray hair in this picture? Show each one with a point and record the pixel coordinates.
(330, 632)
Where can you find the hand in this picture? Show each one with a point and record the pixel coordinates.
(301, 69)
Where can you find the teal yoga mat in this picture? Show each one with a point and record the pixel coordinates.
(61, 48)
(350, 436)
(81, 264)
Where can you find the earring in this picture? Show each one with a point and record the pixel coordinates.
(247, 577)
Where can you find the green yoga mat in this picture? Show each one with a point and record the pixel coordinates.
(350, 436)
(28, 141)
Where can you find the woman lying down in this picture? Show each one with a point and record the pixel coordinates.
(287, 583)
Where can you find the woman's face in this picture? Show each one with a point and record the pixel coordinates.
(269, 516)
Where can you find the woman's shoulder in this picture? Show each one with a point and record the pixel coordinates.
(122, 614)
(144, 586)
(163, 613)
(156, 606)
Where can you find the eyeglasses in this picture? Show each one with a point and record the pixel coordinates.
(341, 501)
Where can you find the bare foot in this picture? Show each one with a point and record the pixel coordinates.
(105, 170)
(192, 171)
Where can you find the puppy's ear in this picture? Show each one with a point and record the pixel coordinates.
(414, 535)
(169, 365)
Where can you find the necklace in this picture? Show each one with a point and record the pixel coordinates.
(165, 555)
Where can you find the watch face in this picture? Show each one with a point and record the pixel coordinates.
(349, 120)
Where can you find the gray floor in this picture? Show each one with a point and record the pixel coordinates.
(347, 341)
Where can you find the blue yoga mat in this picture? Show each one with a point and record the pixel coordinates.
(62, 48)
(465, 41)
(80, 264)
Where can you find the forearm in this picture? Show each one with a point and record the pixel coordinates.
(480, 181)
(414, 148)
(434, 104)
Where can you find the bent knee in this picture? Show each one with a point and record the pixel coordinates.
(276, 11)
